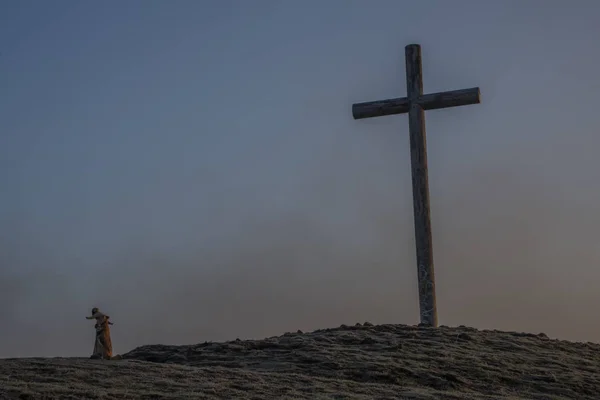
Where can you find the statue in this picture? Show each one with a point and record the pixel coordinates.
(103, 344)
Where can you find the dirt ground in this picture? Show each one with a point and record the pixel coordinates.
(349, 362)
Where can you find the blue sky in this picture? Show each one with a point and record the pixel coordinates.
(193, 168)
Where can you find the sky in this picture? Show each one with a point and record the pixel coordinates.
(192, 168)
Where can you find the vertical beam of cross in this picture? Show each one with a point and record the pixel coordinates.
(415, 104)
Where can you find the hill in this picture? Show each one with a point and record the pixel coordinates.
(349, 362)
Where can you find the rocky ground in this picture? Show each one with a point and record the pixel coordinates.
(349, 362)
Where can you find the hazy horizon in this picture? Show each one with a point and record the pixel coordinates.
(193, 169)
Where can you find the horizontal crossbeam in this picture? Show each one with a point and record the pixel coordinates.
(432, 101)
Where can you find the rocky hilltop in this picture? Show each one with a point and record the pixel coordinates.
(349, 362)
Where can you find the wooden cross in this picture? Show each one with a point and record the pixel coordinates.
(414, 104)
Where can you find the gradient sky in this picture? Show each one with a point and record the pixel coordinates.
(193, 169)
